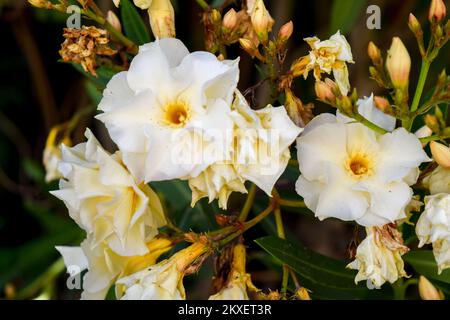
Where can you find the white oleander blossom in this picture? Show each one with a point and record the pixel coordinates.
(434, 227)
(104, 266)
(378, 261)
(163, 281)
(104, 200)
(169, 113)
(351, 173)
(328, 56)
(258, 152)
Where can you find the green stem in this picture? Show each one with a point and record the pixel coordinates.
(281, 234)
(248, 203)
(433, 138)
(420, 84)
(203, 4)
(369, 124)
(292, 203)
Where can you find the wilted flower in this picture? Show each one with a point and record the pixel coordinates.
(326, 56)
(105, 266)
(163, 281)
(83, 45)
(378, 257)
(239, 282)
(434, 227)
(52, 152)
(169, 113)
(258, 152)
(105, 201)
(352, 173)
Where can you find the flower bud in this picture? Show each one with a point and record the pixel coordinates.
(382, 103)
(114, 20)
(261, 20)
(43, 4)
(432, 122)
(230, 19)
(398, 64)
(427, 291)
(324, 92)
(162, 18)
(441, 154)
(374, 53)
(249, 47)
(116, 3)
(437, 11)
(423, 132)
(286, 31)
(215, 15)
(414, 24)
(303, 294)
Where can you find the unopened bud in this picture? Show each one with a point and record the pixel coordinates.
(414, 24)
(432, 122)
(248, 46)
(441, 154)
(428, 291)
(324, 92)
(423, 132)
(116, 3)
(113, 20)
(398, 64)
(162, 18)
(215, 16)
(437, 11)
(286, 31)
(374, 53)
(382, 103)
(230, 19)
(43, 4)
(261, 20)
(303, 294)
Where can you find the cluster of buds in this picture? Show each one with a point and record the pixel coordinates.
(83, 45)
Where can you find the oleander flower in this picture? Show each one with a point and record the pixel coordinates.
(105, 266)
(378, 258)
(52, 152)
(434, 227)
(104, 199)
(169, 113)
(354, 174)
(239, 282)
(163, 281)
(327, 56)
(258, 152)
(438, 181)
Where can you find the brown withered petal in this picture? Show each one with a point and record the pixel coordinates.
(391, 238)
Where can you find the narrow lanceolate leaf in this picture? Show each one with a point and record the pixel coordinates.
(327, 278)
(344, 14)
(133, 25)
(424, 263)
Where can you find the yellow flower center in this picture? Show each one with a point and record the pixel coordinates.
(359, 165)
(176, 114)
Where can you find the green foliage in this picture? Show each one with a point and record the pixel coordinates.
(133, 25)
(326, 277)
(344, 14)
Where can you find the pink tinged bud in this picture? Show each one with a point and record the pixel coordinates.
(114, 20)
(438, 11)
(373, 52)
(230, 19)
(162, 18)
(441, 154)
(324, 92)
(398, 64)
(286, 31)
(428, 291)
(382, 103)
(261, 20)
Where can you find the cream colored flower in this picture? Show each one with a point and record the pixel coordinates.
(327, 56)
(352, 173)
(52, 153)
(169, 113)
(239, 281)
(434, 227)
(377, 260)
(258, 152)
(105, 266)
(104, 200)
(438, 181)
(163, 281)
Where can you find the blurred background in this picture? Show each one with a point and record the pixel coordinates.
(38, 92)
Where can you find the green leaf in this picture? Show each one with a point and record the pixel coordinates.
(424, 263)
(33, 170)
(326, 277)
(344, 14)
(133, 25)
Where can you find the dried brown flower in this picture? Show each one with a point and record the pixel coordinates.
(83, 45)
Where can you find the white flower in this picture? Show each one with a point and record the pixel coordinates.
(105, 266)
(434, 227)
(104, 200)
(258, 152)
(169, 113)
(376, 262)
(352, 173)
(234, 290)
(328, 56)
(163, 281)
